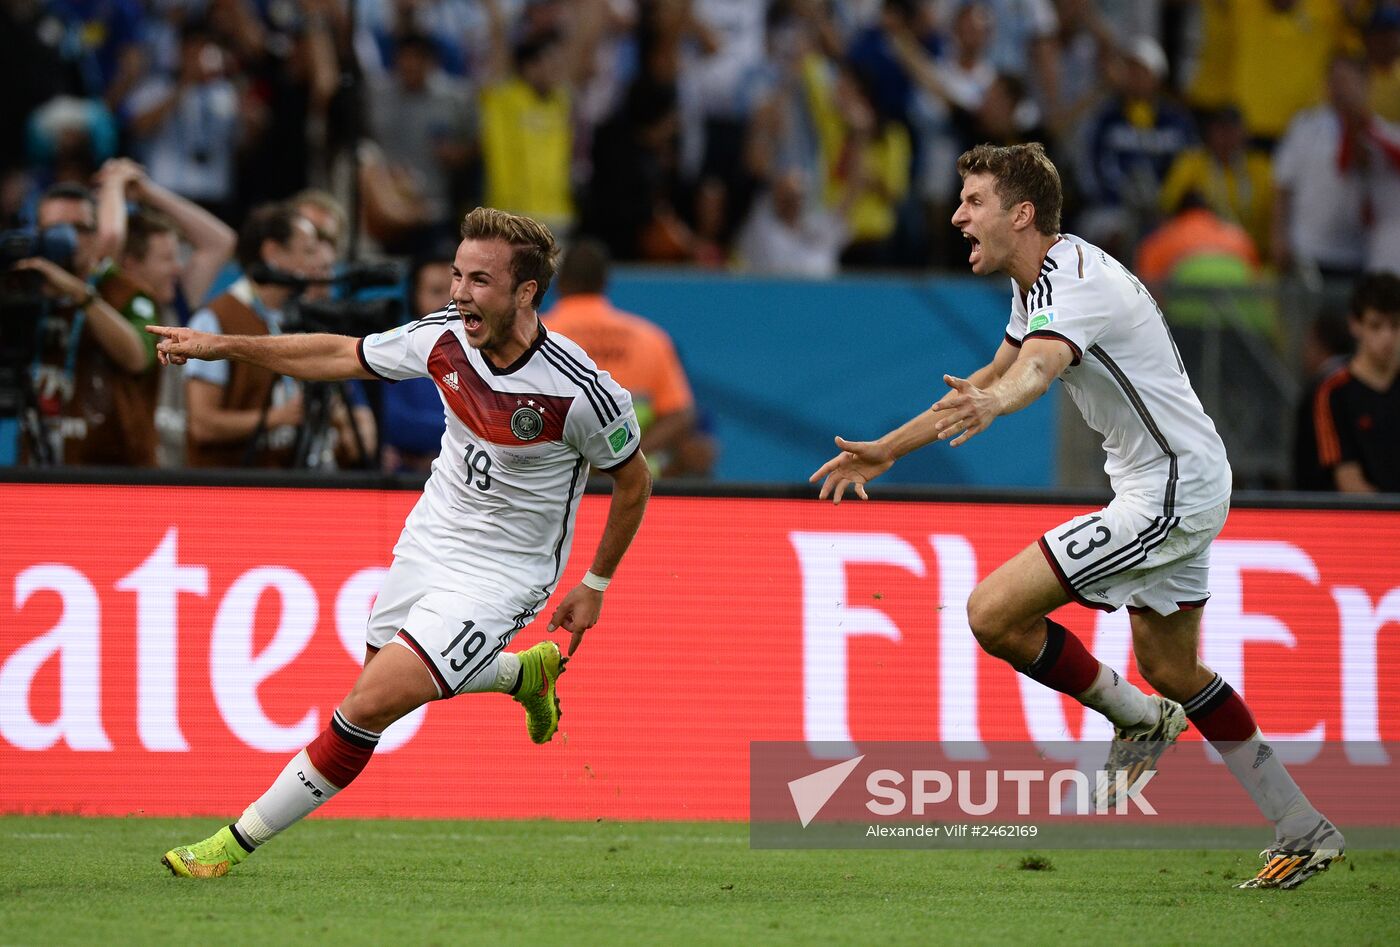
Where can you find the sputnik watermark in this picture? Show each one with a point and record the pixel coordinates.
(1064, 792)
(921, 792)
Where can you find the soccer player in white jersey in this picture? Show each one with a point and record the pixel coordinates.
(1080, 316)
(528, 414)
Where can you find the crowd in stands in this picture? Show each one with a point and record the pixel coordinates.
(1215, 142)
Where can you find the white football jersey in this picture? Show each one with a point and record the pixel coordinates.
(1164, 455)
(499, 506)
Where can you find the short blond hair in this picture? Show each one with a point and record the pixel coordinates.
(534, 251)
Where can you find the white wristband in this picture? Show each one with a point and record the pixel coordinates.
(595, 582)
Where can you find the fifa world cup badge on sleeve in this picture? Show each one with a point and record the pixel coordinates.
(619, 437)
(1041, 320)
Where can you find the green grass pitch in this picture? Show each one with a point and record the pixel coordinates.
(98, 881)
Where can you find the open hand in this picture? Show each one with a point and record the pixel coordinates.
(858, 463)
(968, 411)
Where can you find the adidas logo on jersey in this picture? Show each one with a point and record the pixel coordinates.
(450, 380)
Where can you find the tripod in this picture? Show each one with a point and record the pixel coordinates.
(314, 434)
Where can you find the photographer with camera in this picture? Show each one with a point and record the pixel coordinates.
(172, 250)
(93, 368)
(240, 415)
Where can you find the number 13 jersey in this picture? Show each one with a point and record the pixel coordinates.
(1127, 379)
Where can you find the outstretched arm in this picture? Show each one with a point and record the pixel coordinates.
(862, 461)
(318, 357)
(969, 409)
(580, 609)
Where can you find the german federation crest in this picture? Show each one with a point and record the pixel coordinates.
(526, 423)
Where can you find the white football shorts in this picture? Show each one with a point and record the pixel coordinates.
(457, 631)
(1118, 556)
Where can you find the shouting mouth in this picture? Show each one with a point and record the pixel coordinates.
(975, 253)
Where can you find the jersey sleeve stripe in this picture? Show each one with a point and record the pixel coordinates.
(364, 362)
(1012, 341)
(1050, 334)
(592, 376)
(587, 392)
(1329, 443)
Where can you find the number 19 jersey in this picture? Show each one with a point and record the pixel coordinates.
(499, 506)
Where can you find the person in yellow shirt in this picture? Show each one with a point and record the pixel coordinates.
(861, 151)
(1234, 181)
(526, 104)
(1282, 49)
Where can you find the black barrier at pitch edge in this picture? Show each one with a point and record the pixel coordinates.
(361, 480)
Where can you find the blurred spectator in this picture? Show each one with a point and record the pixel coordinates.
(862, 152)
(1382, 38)
(526, 100)
(635, 156)
(785, 236)
(1195, 231)
(1235, 182)
(423, 121)
(94, 377)
(1088, 41)
(1279, 57)
(411, 411)
(875, 54)
(1318, 189)
(147, 246)
(720, 72)
(186, 130)
(146, 243)
(950, 88)
(637, 353)
(326, 215)
(1024, 45)
(1212, 72)
(240, 415)
(347, 401)
(1374, 150)
(1204, 268)
(1130, 143)
(1349, 425)
(290, 69)
(30, 73)
(98, 43)
(451, 25)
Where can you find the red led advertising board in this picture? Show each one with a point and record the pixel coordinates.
(165, 650)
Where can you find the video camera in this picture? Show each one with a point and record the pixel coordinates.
(56, 244)
(352, 312)
(23, 307)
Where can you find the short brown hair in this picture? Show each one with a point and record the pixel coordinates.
(1022, 173)
(534, 252)
(141, 226)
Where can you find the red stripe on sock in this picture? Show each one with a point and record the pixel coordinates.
(336, 758)
(1074, 671)
(1228, 722)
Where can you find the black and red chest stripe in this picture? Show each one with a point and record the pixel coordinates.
(488, 412)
